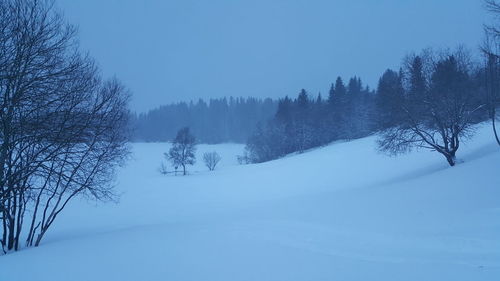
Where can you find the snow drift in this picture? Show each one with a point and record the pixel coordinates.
(341, 212)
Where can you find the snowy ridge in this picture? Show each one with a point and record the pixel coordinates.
(341, 212)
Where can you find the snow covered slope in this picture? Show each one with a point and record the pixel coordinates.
(342, 212)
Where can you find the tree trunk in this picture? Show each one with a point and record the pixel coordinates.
(450, 158)
(11, 221)
(4, 232)
(184, 170)
(39, 237)
(10, 235)
(494, 128)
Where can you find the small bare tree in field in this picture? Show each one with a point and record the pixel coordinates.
(62, 128)
(211, 159)
(163, 169)
(183, 148)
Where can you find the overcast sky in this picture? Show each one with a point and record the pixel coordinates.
(169, 51)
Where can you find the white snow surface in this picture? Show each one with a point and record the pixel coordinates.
(341, 212)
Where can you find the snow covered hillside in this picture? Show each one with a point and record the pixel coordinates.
(342, 212)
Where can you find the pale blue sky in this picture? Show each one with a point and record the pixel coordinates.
(168, 51)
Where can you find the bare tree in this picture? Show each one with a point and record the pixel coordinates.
(163, 168)
(492, 83)
(491, 52)
(493, 6)
(440, 113)
(182, 151)
(211, 159)
(62, 129)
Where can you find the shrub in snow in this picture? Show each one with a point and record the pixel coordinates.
(211, 159)
(163, 169)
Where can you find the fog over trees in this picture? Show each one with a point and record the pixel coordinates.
(309, 121)
(273, 140)
(432, 102)
(64, 129)
(214, 121)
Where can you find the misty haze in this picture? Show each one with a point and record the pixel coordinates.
(191, 140)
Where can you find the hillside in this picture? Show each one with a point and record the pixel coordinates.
(341, 212)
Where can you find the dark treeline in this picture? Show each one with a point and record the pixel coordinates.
(310, 121)
(216, 121)
(432, 102)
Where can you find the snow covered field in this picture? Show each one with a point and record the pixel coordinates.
(342, 212)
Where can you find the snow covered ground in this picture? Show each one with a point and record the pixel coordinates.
(342, 212)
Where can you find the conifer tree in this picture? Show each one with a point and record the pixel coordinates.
(340, 90)
(389, 99)
(331, 95)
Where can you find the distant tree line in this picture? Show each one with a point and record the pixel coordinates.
(216, 121)
(432, 102)
(310, 121)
